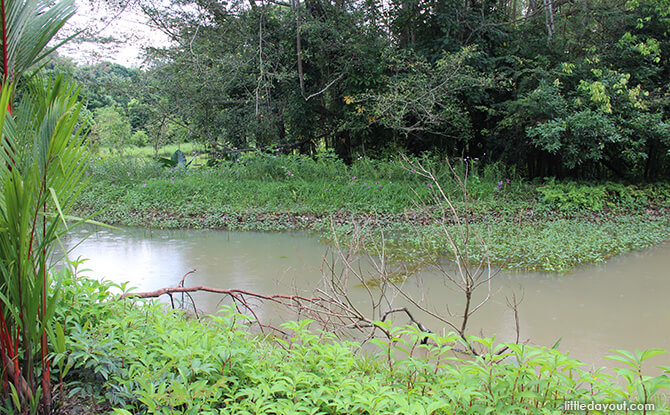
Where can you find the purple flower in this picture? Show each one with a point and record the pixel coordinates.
(476, 158)
(390, 182)
(500, 183)
(113, 184)
(172, 181)
(507, 181)
(144, 185)
(430, 185)
(413, 171)
(353, 177)
(325, 190)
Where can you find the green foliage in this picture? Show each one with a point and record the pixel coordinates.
(43, 160)
(546, 244)
(550, 227)
(560, 245)
(406, 109)
(139, 138)
(28, 27)
(596, 119)
(110, 129)
(107, 84)
(592, 107)
(136, 358)
(572, 196)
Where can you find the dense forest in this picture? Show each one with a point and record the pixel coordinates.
(565, 88)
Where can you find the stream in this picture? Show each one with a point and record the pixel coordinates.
(619, 304)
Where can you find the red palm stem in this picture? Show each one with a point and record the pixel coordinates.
(5, 58)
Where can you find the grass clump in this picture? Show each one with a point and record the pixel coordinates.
(133, 357)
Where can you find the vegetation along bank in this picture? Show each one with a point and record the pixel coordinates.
(134, 358)
(542, 224)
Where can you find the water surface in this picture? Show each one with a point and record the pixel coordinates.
(620, 304)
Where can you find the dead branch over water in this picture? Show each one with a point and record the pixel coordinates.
(358, 261)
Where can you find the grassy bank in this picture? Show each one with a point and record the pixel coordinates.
(132, 357)
(542, 225)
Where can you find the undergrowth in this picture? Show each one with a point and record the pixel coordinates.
(133, 357)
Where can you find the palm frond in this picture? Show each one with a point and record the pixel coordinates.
(31, 25)
(36, 194)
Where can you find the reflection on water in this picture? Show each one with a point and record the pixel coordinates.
(621, 304)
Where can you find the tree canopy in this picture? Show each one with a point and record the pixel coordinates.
(555, 87)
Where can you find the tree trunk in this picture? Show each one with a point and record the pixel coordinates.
(298, 45)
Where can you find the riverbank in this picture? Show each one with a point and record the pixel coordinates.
(134, 357)
(541, 225)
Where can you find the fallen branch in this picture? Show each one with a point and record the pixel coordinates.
(230, 291)
(320, 309)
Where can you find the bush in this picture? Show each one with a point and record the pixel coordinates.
(139, 138)
(574, 196)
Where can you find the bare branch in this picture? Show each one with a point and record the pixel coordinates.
(324, 89)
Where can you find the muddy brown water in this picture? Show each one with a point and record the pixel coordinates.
(620, 304)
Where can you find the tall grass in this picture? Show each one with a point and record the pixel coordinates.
(266, 182)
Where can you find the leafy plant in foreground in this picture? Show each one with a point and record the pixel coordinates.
(160, 362)
(43, 157)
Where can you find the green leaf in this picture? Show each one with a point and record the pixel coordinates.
(54, 197)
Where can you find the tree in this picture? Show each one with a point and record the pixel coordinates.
(377, 77)
(574, 106)
(422, 102)
(110, 128)
(269, 75)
